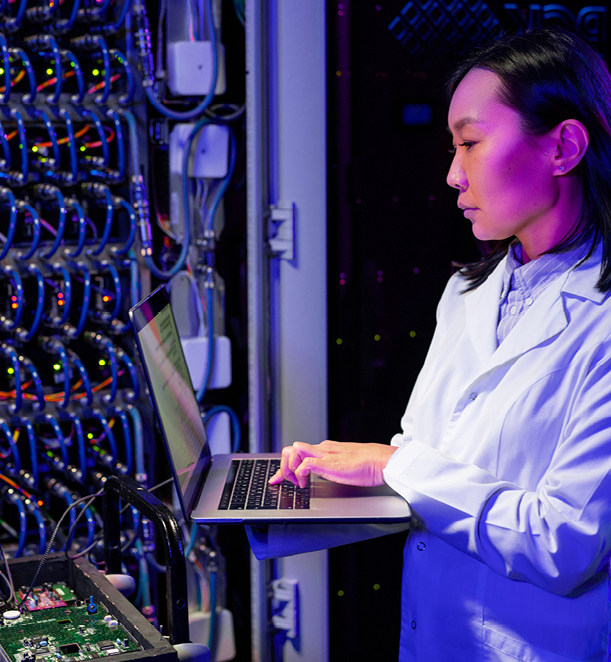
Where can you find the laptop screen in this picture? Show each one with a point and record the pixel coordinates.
(172, 393)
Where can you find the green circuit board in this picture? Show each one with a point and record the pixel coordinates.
(56, 625)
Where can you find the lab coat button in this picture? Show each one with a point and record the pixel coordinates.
(529, 301)
(413, 625)
(472, 396)
(513, 310)
(420, 546)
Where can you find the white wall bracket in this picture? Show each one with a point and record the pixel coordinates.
(281, 231)
(285, 606)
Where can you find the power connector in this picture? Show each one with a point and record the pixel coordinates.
(190, 69)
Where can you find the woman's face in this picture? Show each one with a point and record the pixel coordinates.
(504, 178)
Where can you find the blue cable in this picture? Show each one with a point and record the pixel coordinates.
(235, 424)
(61, 223)
(121, 159)
(114, 368)
(13, 23)
(113, 27)
(210, 359)
(59, 349)
(134, 279)
(15, 498)
(37, 228)
(138, 443)
(59, 435)
(97, 122)
(225, 182)
(76, 360)
(72, 204)
(59, 72)
(112, 442)
(133, 222)
(6, 193)
(110, 211)
(114, 274)
(77, 426)
(27, 65)
(23, 175)
(192, 539)
(127, 437)
(64, 25)
(80, 76)
(143, 598)
(6, 65)
(67, 292)
(22, 422)
(26, 336)
(129, 77)
(133, 373)
(72, 178)
(49, 41)
(8, 351)
(40, 396)
(52, 139)
(86, 297)
(13, 274)
(8, 433)
(6, 150)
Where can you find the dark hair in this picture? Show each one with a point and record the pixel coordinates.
(549, 75)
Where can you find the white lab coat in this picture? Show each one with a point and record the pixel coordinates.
(508, 470)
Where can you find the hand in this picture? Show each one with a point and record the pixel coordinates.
(341, 462)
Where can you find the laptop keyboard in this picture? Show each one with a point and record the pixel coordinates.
(247, 488)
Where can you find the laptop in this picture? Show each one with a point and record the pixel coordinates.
(233, 488)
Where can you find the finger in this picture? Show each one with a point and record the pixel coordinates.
(276, 478)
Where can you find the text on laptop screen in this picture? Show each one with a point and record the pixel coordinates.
(176, 405)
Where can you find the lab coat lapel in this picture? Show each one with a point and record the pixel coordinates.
(545, 319)
(482, 313)
(542, 321)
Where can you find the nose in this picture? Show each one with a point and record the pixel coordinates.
(456, 175)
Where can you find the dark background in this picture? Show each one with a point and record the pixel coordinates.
(394, 230)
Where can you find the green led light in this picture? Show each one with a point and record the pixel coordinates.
(376, 337)
(412, 334)
(102, 362)
(83, 148)
(34, 149)
(376, 587)
(96, 72)
(49, 72)
(57, 366)
(339, 341)
(1, 71)
(11, 371)
(90, 436)
(340, 593)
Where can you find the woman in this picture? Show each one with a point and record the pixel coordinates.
(505, 454)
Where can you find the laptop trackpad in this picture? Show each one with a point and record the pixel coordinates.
(320, 488)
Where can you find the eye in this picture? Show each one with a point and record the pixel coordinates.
(468, 144)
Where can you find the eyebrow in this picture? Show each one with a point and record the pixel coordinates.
(463, 122)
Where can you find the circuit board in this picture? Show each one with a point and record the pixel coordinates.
(55, 625)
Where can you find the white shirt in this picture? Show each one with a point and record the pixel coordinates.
(523, 283)
(508, 471)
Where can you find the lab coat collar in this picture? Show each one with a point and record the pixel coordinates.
(545, 319)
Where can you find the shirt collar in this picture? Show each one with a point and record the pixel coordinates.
(534, 276)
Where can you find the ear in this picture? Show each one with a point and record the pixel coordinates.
(571, 141)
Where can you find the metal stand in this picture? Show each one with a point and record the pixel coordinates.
(129, 491)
